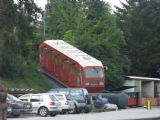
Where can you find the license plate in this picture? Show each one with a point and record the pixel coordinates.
(28, 106)
(9, 110)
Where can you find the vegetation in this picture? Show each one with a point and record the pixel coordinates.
(89, 25)
(125, 41)
(140, 22)
(19, 40)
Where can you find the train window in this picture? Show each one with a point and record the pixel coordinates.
(79, 79)
(73, 69)
(56, 60)
(41, 51)
(50, 56)
(64, 65)
(53, 57)
(93, 72)
(59, 61)
(45, 50)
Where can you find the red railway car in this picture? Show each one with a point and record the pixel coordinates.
(71, 66)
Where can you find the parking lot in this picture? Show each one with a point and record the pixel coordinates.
(125, 114)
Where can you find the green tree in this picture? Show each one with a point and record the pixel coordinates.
(140, 21)
(15, 34)
(63, 17)
(89, 25)
(100, 37)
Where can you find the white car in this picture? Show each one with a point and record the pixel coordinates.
(43, 103)
(66, 105)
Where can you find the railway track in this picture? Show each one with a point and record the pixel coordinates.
(51, 80)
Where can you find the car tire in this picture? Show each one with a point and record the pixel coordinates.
(43, 111)
(15, 116)
(53, 114)
(75, 110)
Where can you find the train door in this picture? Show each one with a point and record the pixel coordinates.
(56, 66)
(73, 75)
(41, 57)
(45, 56)
(65, 71)
(52, 63)
(59, 68)
(79, 78)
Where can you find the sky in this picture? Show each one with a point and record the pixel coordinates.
(41, 3)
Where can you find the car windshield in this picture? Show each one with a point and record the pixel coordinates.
(60, 97)
(62, 91)
(54, 98)
(78, 98)
(76, 92)
(13, 98)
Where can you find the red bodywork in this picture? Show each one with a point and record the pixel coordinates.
(68, 71)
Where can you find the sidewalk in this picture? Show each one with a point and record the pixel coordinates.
(140, 113)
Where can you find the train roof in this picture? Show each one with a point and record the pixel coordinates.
(73, 53)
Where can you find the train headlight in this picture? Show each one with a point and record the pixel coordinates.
(87, 83)
(101, 83)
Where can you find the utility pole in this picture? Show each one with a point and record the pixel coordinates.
(44, 23)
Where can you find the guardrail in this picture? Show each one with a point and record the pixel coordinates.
(20, 91)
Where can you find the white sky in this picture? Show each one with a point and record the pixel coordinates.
(41, 3)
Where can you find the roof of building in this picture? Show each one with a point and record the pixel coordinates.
(72, 52)
(143, 78)
(121, 88)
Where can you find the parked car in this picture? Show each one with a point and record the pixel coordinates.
(43, 103)
(66, 105)
(78, 95)
(16, 107)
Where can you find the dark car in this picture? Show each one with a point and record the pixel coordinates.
(16, 107)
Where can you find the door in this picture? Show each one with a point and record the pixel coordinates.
(36, 101)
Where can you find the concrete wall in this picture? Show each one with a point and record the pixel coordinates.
(129, 83)
(157, 86)
(148, 89)
(138, 86)
(135, 83)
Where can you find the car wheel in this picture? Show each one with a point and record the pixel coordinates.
(75, 110)
(43, 111)
(17, 115)
(53, 114)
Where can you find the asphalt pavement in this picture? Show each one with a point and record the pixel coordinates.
(139, 113)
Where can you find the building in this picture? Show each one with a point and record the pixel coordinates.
(143, 89)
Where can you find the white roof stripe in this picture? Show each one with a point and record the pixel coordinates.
(72, 52)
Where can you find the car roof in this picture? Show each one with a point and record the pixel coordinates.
(39, 94)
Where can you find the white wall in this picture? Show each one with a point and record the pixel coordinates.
(129, 83)
(148, 89)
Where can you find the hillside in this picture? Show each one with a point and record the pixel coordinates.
(34, 80)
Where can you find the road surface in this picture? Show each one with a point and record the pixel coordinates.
(125, 114)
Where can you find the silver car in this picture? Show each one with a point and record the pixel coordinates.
(43, 103)
(67, 105)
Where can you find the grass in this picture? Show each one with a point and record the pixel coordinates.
(33, 80)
